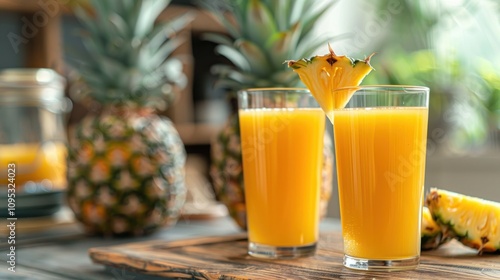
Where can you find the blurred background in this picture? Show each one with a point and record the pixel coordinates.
(450, 46)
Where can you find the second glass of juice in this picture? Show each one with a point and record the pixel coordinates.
(282, 142)
(380, 145)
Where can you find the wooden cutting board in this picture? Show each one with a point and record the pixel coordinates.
(226, 258)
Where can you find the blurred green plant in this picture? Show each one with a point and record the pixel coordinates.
(465, 88)
(483, 97)
(489, 82)
(419, 68)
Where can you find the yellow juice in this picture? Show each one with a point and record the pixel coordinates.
(380, 155)
(282, 158)
(35, 163)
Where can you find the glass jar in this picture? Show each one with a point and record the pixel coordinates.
(32, 129)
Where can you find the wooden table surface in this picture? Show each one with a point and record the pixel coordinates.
(63, 253)
(226, 257)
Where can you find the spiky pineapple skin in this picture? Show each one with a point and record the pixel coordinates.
(226, 170)
(431, 234)
(452, 211)
(227, 173)
(125, 173)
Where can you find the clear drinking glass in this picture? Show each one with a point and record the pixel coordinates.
(380, 145)
(282, 144)
(32, 128)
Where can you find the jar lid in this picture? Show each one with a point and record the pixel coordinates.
(29, 84)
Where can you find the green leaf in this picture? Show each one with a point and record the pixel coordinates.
(259, 22)
(220, 11)
(118, 25)
(160, 34)
(126, 9)
(238, 8)
(153, 79)
(116, 48)
(282, 9)
(232, 74)
(282, 44)
(234, 56)
(93, 48)
(149, 11)
(161, 54)
(217, 38)
(168, 30)
(110, 67)
(132, 79)
(222, 69)
(102, 9)
(241, 78)
(309, 22)
(174, 25)
(256, 57)
(298, 10)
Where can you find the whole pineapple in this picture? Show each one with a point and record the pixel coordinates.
(263, 34)
(126, 163)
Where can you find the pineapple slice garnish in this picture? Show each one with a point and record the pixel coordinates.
(323, 74)
(473, 221)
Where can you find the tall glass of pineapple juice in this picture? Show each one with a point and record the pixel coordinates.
(282, 142)
(380, 145)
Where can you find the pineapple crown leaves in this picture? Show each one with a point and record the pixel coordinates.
(128, 60)
(263, 34)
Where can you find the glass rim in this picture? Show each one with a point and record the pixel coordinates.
(386, 87)
(296, 89)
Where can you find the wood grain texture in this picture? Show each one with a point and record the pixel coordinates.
(226, 258)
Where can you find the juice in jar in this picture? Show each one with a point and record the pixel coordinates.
(282, 159)
(380, 154)
(35, 162)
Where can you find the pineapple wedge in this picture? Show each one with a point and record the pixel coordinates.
(325, 73)
(431, 234)
(473, 221)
